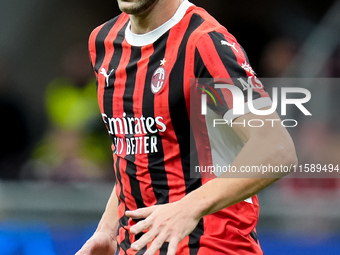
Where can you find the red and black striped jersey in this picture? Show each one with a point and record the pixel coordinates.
(143, 87)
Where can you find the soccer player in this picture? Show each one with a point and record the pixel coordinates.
(145, 61)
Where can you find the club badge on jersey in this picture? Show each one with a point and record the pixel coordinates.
(158, 78)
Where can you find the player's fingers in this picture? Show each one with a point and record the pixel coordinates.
(172, 247)
(144, 240)
(140, 213)
(141, 226)
(156, 244)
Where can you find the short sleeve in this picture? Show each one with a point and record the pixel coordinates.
(92, 47)
(219, 59)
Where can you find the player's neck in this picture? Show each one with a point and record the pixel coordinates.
(158, 14)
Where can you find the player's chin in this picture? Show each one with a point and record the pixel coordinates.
(135, 7)
(127, 5)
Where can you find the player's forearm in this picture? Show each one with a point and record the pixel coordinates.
(223, 192)
(109, 220)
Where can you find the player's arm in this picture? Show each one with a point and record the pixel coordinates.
(172, 222)
(267, 145)
(103, 241)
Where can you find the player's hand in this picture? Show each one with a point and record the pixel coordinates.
(163, 223)
(101, 243)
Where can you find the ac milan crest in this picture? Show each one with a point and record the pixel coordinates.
(158, 79)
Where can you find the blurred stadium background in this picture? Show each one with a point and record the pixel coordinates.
(55, 172)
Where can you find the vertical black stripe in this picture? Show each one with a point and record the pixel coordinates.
(108, 91)
(230, 63)
(194, 238)
(156, 166)
(181, 123)
(227, 56)
(131, 170)
(254, 236)
(164, 249)
(204, 77)
(156, 160)
(99, 43)
(200, 69)
(107, 105)
(178, 111)
(123, 221)
(245, 54)
(119, 178)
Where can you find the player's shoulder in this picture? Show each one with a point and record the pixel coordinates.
(205, 16)
(109, 25)
(208, 25)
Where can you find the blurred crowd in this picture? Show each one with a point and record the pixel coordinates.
(70, 142)
(74, 144)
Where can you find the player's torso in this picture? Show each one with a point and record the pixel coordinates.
(141, 91)
(143, 94)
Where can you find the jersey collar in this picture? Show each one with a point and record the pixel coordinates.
(150, 37)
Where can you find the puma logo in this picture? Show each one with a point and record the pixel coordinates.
(106, 75)
(229, 44)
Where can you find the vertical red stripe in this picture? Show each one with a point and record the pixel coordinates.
(117, 112)
(172, 161)
(241, 58)
(120, 239)
(141, 160)
(197, 121)
(109, 50)
(118, 186)
(92, 45)
(129, 200)
(217, 69)
(214, 64)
